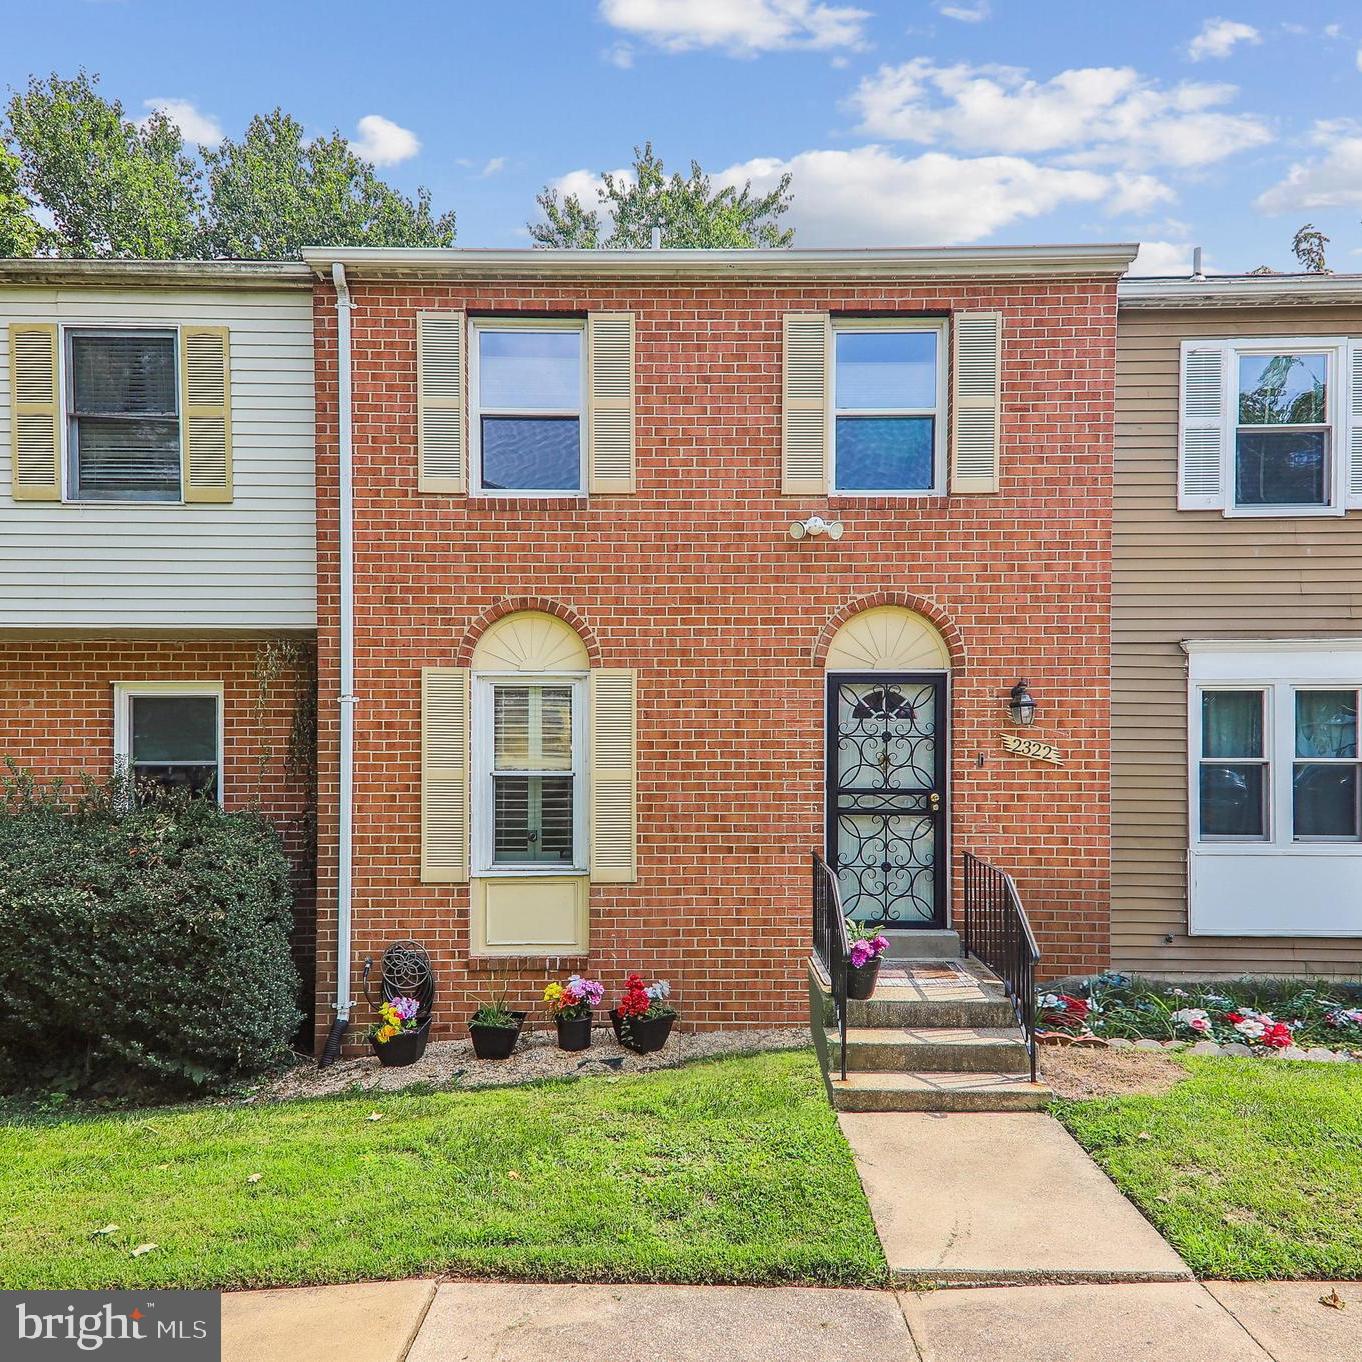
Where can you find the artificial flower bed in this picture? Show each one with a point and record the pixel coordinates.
(1266, 1020)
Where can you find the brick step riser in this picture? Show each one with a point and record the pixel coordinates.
(1002, 1057)
(895, 1100)
(978, 1012)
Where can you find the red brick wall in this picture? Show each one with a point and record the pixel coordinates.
(57, 720)
(695, 583)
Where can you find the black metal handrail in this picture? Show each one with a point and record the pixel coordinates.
(831, 945)
(995, 930)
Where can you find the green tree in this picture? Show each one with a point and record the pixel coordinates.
(272, 193)
(1308, 247)
(688, 209)
(113, 187)
(20, 233)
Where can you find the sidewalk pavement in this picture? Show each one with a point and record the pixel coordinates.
(416, 1321)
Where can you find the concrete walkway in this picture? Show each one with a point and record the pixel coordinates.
(998, 1198)
(511, 1322)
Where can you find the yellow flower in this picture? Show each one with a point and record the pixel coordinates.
(386, 1033)
(553, 993)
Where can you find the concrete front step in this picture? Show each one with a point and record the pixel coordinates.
(915, 1049)
(930, 944)
(975, 997)
(937, 1092)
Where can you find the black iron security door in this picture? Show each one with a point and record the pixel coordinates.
(887, 797)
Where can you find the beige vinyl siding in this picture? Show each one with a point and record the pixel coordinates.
(247, 564)
(1197, 574)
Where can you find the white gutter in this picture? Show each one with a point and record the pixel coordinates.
(347, 640)
(1241, 290)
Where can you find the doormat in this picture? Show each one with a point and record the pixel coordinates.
(936, 974)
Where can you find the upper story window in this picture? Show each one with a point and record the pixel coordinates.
(1271, 427)
(122, 416)
(526, 407)
(888, 406)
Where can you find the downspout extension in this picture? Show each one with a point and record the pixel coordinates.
(345, 417)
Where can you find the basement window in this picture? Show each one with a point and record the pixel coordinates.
(170, 735)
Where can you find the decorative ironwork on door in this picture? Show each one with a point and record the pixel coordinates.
(886, 791)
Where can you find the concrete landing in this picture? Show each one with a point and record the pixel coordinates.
(998, 1198)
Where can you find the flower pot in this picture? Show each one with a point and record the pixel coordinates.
(861, 981)
(404, 1048)
(496, 1042)
(574, 1033)
(643, 1037)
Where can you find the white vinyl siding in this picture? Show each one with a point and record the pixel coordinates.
(247, 564)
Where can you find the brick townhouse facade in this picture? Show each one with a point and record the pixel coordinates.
(607, 704)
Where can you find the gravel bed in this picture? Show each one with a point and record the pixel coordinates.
(452, 1063)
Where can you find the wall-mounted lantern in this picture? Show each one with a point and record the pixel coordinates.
(1020, 705)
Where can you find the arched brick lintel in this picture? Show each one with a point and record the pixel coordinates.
(919, 605)
(513, 605)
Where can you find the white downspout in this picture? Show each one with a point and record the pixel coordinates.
(347, 646)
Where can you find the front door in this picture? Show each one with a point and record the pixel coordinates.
(887, 797)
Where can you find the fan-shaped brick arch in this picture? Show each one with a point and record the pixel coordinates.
(527, 605)
(875, 612)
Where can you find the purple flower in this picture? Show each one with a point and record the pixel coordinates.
(860, 954)
(406, 1008)
(879, 945)
(589, 991)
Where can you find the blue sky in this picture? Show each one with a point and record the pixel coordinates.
(903, 121)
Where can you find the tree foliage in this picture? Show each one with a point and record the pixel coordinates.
(273, 192)
(1308, 247)
(688, 209)
(115, 187)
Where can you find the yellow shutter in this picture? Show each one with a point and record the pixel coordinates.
(804, 443)
(610, 402)
(976, 401)
(613, 817)
(206, 413)
(444, 774)
(35, 407)
(441, 449)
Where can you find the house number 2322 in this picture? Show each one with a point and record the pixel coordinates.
(1033, 748)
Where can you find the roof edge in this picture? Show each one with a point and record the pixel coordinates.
(51, 270)
(1241, 290)
(907, 262)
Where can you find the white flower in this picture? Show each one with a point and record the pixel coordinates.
(659, 990)
(1250, 1027)
(1191, 1017)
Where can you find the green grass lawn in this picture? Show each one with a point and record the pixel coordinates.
(1251, 1168)
(730, 1171)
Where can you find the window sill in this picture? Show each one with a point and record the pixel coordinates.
(1305, 850)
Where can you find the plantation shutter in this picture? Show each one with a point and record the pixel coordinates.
(35, 413)
(440, 367)
(1352, 496)
(976, 401)
(206, 414)
(610, 402)
(444, 775)
(804, 440)
(1202, 428)
(613, 767)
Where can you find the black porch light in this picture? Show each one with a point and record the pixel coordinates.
(1020, 705)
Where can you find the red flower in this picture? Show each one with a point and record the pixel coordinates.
(1277, 1036)
(1233, 1017)
(636, 1000)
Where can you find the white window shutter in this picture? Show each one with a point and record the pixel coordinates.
(1352, 484)
(1202, 427)
(444, 774)
(206, 413)
(440, 380)
(614, 829)
(804, 436)
(34, 412)
(976, 401)
(610, 402)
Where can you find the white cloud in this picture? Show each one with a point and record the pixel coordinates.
(739, 27)
(1331, 180)
(620, 55)
(194, 125)
(1163, 257)
(493, 167)
(870, 196)
(1219, 37)
(383, 142)
(966, 14)
(1090, 115)
(1359, 58)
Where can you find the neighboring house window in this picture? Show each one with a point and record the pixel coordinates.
(1235, 770)
(123, 424)
(527, 400)
(1283, 443)
(171, 734)
(529, 754)
(888, 406)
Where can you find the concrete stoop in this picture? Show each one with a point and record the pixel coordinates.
(936, 1035)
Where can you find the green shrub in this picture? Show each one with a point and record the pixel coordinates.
(141, 944)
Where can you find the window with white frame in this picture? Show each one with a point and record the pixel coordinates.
(526, 406)
(170, 735)
(889, 405)
(122, 415)
(529, 753)
(1271, 427)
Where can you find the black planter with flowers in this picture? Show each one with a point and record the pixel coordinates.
(861, 981)
(644, 1018)
(863, 964)
(574, 1033)
(570, 1004)
(402, 1049)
